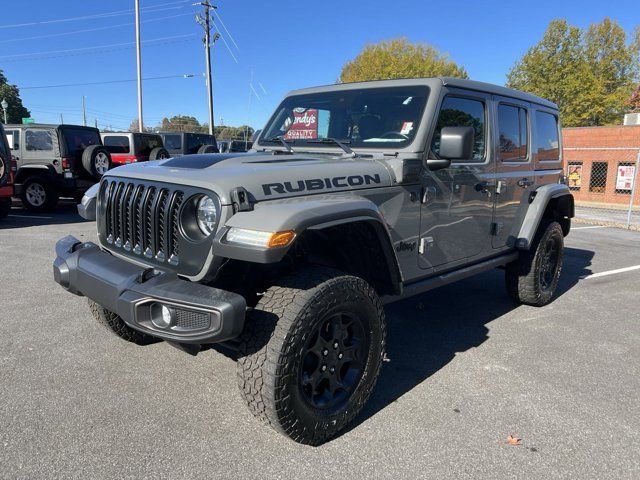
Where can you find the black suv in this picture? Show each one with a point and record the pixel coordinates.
(54, 161)
(187, 143)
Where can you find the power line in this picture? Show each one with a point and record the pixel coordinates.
(100, 49)
(97, 15)
(187, 75)
(97, 47)
(108, 27)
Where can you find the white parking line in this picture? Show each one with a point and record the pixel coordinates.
(612, 272)
(584, 228)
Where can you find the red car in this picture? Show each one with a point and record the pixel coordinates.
(129, 147)
(7, 171)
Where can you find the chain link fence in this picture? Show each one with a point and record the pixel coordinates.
(606, 191)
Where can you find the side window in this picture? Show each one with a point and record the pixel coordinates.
(13, 137)
(173, 142)
(547, 142)
(462, 112)
(38, 140)
(512, 127)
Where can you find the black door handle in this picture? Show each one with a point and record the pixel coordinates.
(525, 182)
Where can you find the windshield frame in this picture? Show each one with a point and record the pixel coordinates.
(301, 144)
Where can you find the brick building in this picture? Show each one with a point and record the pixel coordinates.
(600, 163)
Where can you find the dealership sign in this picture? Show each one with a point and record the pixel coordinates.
(624, 180)
(304, 124)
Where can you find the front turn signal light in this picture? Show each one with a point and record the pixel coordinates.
(257, 238)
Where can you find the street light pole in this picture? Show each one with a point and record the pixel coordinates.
(206, 24)
(4, 105)
(139, 66)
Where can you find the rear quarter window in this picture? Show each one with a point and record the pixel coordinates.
(38, 141)
(547, 139)
(173, 143)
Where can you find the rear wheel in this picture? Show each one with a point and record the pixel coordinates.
(117, 326)
(159, 153)
(311, 352)
(532, 279)
(38, 195)
(96, 160)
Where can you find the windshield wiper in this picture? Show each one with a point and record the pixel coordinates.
(340, 143)
(281, 140)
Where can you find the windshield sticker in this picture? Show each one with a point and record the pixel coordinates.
(304, 124)
(406, 128)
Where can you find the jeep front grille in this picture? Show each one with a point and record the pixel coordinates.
(142, 219)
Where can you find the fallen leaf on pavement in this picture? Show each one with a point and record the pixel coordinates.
(511, 440)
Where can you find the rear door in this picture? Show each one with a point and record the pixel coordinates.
(515, 175)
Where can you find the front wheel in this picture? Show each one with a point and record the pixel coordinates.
(311, 352)
(532, 278)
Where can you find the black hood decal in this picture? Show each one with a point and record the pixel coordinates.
(203, 160)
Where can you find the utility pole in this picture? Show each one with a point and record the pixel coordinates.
(96, 122)
(139, 66)
(84, 110)
(206, 24)
(61, 120)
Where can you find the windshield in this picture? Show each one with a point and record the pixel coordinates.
(371, 117)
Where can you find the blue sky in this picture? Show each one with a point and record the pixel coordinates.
(284, 44)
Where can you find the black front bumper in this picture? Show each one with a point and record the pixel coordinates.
(200, 314)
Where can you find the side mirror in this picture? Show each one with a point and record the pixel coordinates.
(456, 143)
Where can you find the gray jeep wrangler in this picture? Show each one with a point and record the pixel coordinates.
(353, 196)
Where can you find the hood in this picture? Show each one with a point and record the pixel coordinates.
(265, 176)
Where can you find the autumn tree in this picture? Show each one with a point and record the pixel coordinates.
(11, 94)
(589, 74)
(133, 127)
(633, 103)
(399, 58)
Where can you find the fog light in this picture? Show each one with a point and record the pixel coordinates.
(162, 316)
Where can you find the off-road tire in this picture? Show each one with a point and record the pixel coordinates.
(208, 149)
(96, 160)
(273, 345)
(523, 276)
(116, 325)
(5, 169)
(40, 184)
(5, 207)
(159, 153)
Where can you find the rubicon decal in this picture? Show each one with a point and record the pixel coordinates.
(320, 184)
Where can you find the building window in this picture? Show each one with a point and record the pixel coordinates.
(512, 123)
(624, 178)
(574, 175)
(598, 180)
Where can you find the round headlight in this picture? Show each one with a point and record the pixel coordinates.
(207, 214)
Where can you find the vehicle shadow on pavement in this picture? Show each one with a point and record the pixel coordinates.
(66, 212)
(424, 333)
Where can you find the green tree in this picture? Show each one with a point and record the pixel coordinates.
(399, 58)
(588, 74)
(15, 111)
(180, 123)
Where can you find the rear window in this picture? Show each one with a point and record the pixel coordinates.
(38, 141)
(146, 143)
(547, 144)
(117, 143)
(173, 143)
(76, 140)
(195, 141)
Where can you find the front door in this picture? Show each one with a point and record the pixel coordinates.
(457, 202)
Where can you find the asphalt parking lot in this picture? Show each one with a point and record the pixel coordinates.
(466, 368)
